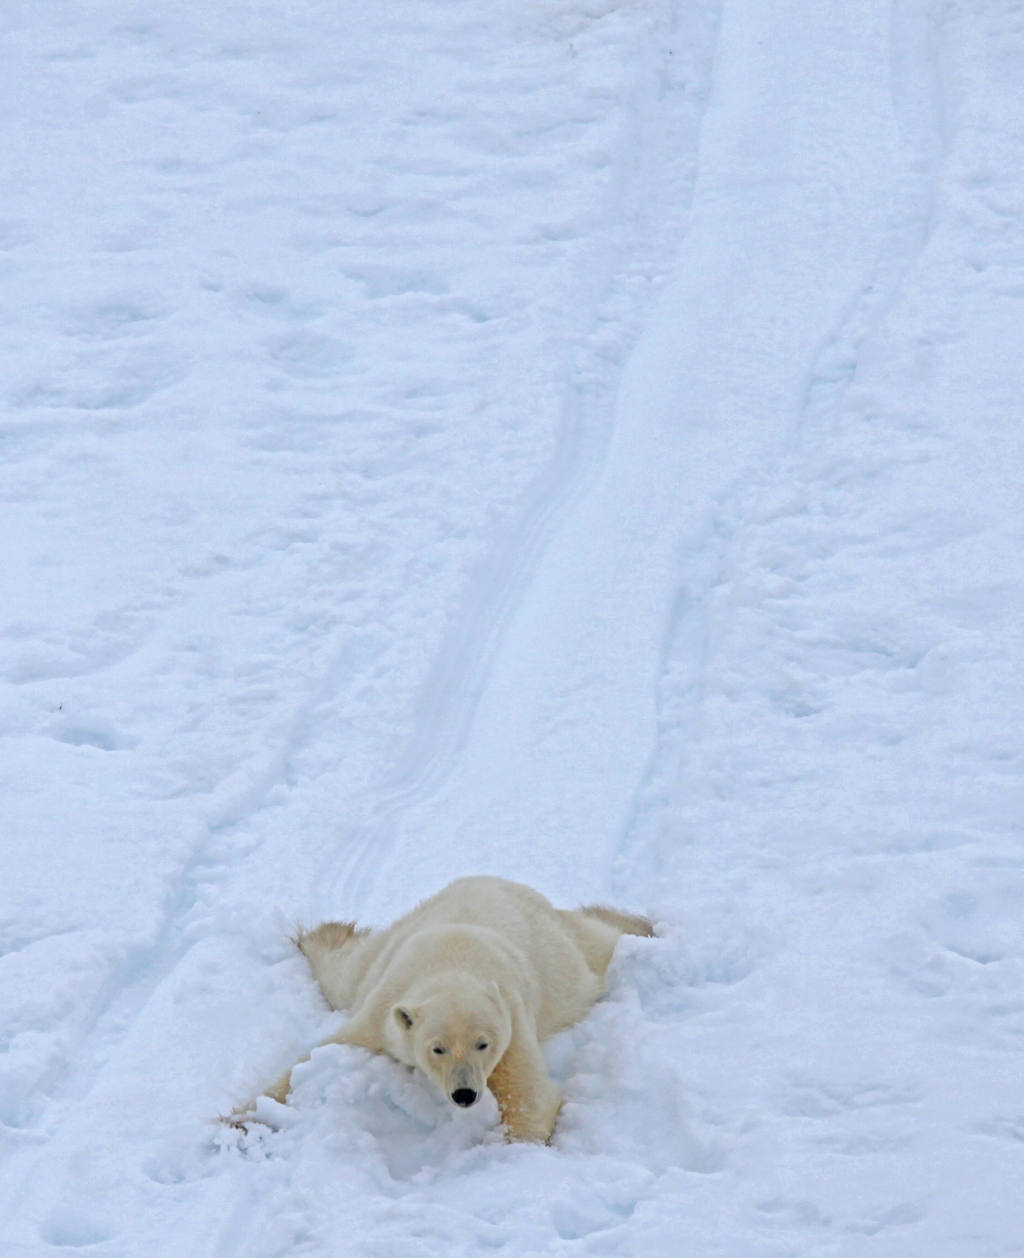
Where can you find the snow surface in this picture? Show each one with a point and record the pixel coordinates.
(579, 440)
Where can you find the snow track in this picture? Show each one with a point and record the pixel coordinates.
(574, 508)
(578, 442)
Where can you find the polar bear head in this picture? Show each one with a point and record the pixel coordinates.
(456, 1031)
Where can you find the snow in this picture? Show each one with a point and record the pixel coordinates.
(577, 440)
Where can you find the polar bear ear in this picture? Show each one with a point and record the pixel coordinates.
(404, 1017)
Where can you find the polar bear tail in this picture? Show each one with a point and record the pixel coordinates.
(627, 923)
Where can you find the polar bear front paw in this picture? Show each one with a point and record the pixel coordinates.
(526, 1116)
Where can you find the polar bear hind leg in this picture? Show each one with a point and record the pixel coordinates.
(597, 928)
(625, 923)
(330, 949)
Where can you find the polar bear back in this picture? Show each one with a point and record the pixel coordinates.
(555, 959)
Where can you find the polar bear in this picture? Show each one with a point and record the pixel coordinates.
(466, 987)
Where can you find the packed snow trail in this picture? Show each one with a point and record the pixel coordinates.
(578, 443)
(784, 229)
(848, 808)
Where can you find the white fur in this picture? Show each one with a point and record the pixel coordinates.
(467, 985)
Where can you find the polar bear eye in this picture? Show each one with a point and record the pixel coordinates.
(440, 1050)
(481, 1046)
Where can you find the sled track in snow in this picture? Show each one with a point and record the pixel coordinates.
(917, 96)
(656, 152)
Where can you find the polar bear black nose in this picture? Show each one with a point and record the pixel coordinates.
(464, 1097)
